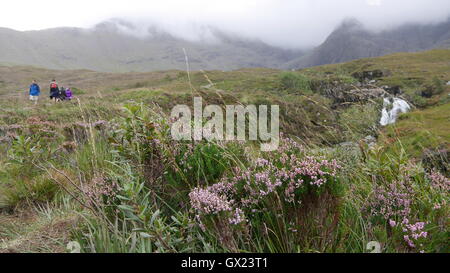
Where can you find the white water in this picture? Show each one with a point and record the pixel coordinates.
(398, 106)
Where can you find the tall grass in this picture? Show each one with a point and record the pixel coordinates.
(159, 214)
(137, 190)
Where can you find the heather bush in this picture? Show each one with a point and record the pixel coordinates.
(273, 198)
(168, 166)
(405, 204)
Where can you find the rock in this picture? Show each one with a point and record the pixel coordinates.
(394, 90)
(369, 139)
(348, 144)
(341, 92)
(370, 75)
(428, 92)
(361, 95)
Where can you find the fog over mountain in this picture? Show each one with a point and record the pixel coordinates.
(113, 46)
(119, 46)
(280, 23)
(151, 35)
(352, 40)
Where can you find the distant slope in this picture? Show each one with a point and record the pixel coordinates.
(113, 46)
(352, 41)
(107, 48)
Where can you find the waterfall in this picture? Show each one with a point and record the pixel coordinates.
(398, 106)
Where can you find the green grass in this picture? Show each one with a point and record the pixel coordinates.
(130, 182)
(411, 71)
(421, 129)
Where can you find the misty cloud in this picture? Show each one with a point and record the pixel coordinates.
(285, 23)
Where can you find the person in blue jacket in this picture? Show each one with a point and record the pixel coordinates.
(35, 91)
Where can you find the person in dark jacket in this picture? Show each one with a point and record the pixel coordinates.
(62, 93)
(54, 91)
(35, 91)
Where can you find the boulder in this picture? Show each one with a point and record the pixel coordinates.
(369, 139)
(393, 90)
(370, 75)
(359, 95)
(428, 91)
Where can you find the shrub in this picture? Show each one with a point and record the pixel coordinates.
(359, 121)
(35, 190)
(439, 85)
(275, 193)
(406, 206)
(295, 82)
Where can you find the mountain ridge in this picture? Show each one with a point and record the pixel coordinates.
(120, 46)
(106, 48)
(351, 41)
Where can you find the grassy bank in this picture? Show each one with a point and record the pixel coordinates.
(102, 170)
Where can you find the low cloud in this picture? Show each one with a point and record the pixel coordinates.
(285, 23)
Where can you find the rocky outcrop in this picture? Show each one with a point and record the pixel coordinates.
(342, 93)
(393, 90)
(365, 76)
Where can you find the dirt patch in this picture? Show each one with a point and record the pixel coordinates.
(29, 233)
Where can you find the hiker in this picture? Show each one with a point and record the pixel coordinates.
(62, 93)
(69, 94)
(54, 91)
(35, 91)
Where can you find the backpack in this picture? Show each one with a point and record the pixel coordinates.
(53, 85)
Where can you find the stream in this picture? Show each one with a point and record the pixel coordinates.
(396, 106)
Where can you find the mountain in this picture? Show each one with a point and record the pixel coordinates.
(351, 40)
(112, 46)
(119, 46)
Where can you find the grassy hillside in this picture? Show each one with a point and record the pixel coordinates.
(103, 170)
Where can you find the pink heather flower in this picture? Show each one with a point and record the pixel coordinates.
(438, 181)
(207, 202)
(391, 203)
(395, 202)
(238, 217)
(409, 241)
(392, 223)
(438, 205)
(283, 172)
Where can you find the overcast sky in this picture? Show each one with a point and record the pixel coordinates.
(287, 23)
